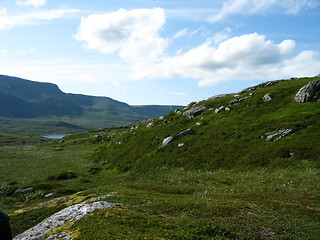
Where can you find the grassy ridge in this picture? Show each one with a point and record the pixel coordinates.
(225, 182)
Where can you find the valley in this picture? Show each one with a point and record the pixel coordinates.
(236, 166)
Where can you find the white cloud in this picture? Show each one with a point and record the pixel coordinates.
(25, 52)
(9, 21)
(247, 57)
(35, 3)
(3, 51)
(181, 33)
(250, 7)
(134, 35)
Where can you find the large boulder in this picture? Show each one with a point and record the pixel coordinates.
(194, 111)
(309, 92)
(170, 139)
(74, 212)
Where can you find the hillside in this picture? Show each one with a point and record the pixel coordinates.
(235, 166)
(25, 99)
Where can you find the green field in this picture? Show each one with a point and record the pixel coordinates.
(225, 182)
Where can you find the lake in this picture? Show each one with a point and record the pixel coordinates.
(54, 136)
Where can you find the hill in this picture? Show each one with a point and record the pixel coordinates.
(235, 166)
(25, 99)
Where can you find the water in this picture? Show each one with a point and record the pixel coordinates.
(54, 136)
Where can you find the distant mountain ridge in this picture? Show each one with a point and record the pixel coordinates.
(27, 99)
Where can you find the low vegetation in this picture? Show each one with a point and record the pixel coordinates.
(225, 181)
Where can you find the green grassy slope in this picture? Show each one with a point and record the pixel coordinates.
(230, 139)
(225, 182)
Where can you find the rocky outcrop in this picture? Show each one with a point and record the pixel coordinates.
(278, 134)
(236, 101)
(260, 86)
(170, 139)
(267, 98)
(74, 212)
(309, 92)
(194, 111)
(217, 96)
(221, 109)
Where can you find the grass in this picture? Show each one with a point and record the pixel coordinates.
(225, 182)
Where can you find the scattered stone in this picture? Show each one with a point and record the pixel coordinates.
(309, 92)
(198, 123)
(23, 191)
(150, 125)
(194, 111)
(234, 102)
(278, 134)
(74, 212)
(170, 139)
(180, 144)
(267, 98)
(220, 109)
(49, 195)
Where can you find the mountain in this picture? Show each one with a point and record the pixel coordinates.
(27, 99)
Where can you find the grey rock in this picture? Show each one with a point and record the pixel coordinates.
(220, 109)
(48, 195)
(60, 236)
(217, 96)
(74, 212)
(194, 111)
(166, 141)
(309, 92)
(150, 125)
(170, 139)
(267, 98)
(23, 191)
(234, 102)
(260, 86)
(278, 134)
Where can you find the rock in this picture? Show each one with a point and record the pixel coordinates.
(267, 98)
(309, 92)
(60, 236)
(260, 86)
(278, 134)
(48, 195)
(166, 141)
(194, 111)
(170, 139)
(234, 102)
(180, 144)
(74, 212)
(23, 191)
(217, 96)
(220, 109)
(150, 125)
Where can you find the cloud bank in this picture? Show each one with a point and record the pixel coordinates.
(135, 37)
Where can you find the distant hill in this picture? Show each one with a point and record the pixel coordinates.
(27, 99)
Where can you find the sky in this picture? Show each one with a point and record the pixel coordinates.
(168, 52)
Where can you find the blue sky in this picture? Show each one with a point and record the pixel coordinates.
(159, 51)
